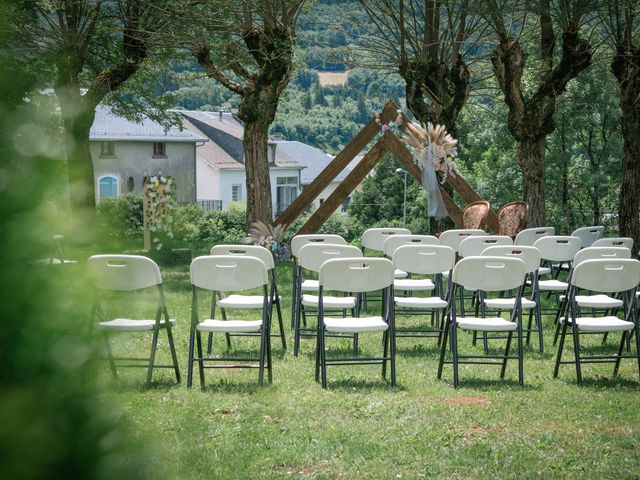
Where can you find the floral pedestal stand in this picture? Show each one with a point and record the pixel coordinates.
(158, 192)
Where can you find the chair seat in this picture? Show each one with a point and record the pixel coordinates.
(397, 273)
(544, 271)
(420, 302)
(601, 324)
(489, 324)
(131, 325)
(414, 284)
(552, 285)
(508, 303)
(597, 301)
(231, 326)
(329, 301)
(54, 261)
(310, 285)
(355, 325)
(241, 301)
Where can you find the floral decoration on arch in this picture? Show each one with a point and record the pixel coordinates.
(159, 192)
(434, 145)
(392, 125)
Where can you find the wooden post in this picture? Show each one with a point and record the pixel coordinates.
(353, 148)
(343, 190)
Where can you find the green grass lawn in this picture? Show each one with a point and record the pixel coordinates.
(363, 428)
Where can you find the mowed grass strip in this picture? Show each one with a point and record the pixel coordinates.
(361, 427)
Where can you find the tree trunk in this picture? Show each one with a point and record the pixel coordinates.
(259, 203)
(626, 68)
(531, 161)
(629, 206)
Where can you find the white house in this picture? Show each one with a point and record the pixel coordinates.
(220, 170)
(124, 152)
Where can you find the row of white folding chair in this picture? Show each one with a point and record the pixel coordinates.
(608, 276)
(374, 239)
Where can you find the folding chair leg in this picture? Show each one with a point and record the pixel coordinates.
(263, 347)
(200, 361)
(636, 330)
(576, 348)
(520, 354)
(296, 333)
(174, 357)
(112, 363)
(620, 350)
(280, 323)
(443, 347)
(392, 335)
(539, 326)
(454, 347)
(385, 351)
(323, 360)
(152, 357)
(506, 353)
(560, 347)
(190, 366)
(355, 344)
(318, 356)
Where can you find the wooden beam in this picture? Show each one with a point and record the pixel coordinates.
(404, 156)
(343, 190)
(348, 153)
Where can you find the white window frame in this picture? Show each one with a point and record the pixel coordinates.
(109, 151)
(239, 192)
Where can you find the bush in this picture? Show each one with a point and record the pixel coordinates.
(186, 223)
(226, 226)
(120, 219)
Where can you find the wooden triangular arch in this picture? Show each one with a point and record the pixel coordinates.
(388, 143)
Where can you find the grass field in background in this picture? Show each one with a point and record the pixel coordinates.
(363, 428)
(333, 78)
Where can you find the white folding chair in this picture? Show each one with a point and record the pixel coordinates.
(423, 260)
(528, 236)
(357, 275)
(556, 248)
(228, 273)
(248, 302)
(310, 259)
(297, 243)
(587, 301)
(128, 273)
(486, 274)
(473, 246)
(625, 242)
(588, 235)
(608, 276)
(531, 258)
(374, 239)
(453, 238)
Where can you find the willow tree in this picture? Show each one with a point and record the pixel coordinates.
(623, 21)
(531, 109)
(426, 43)
(96, 46)
(253, 56)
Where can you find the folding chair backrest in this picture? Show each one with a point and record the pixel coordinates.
(626, 242)
(588, 235)
(247, 250)
(374, 238)
(558, 248)
(528, 236)
(475, 245)
(394, 241)
(312, 256)
(452, 238)
(299, 240)
(603, 275)
(489, 273)
(364, 274)
(123, 272)
(529, 255)
(424, 259)
(590, 253)
(225, 273)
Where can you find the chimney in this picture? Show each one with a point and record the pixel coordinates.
(220, 115)
(271, 152)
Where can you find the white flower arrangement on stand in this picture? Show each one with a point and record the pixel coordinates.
(159, 193)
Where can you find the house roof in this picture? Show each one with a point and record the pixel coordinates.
(225, 150)
(313, 159)
(107, 126)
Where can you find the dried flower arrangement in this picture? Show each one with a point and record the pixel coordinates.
(435, 144)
